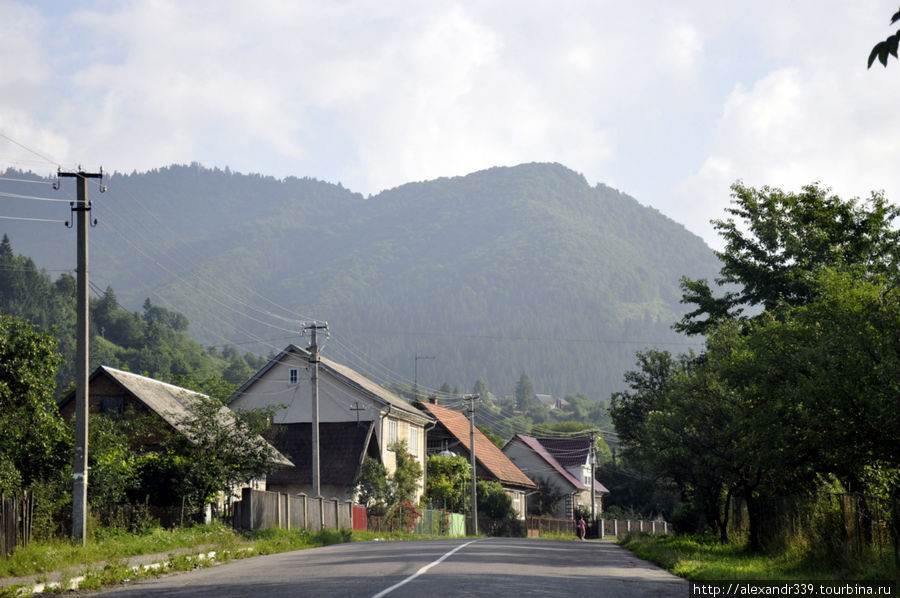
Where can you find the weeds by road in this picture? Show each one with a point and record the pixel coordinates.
(104, 560)
(703, 558)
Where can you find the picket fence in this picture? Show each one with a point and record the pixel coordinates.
(15, 521)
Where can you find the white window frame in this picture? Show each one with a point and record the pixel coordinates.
(294, 376)
(412, 439)
(390, 432)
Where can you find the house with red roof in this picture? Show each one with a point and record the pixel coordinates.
(564, 464)
(452, 433)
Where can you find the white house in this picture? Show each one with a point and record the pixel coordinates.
(562, 463)
(357, 418)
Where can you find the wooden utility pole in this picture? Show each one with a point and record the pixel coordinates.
(314, 328)
(81, 209)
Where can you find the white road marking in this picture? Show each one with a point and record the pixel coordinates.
(424, 569)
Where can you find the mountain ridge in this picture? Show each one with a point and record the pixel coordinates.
(494, 271)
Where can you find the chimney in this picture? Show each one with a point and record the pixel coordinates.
(433, 400)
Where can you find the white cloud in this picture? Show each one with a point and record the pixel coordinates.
(668, 102)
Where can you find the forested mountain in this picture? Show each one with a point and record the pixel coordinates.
(506, 270)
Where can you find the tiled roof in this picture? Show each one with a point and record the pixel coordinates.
(570, 452)
(487, 454)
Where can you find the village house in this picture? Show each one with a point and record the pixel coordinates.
(357, 419)
(452, 432)
(564, 464)
(116, 394)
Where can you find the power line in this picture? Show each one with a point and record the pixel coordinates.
(33, 197)
(34, 219)
(28, 149)
(36, 182)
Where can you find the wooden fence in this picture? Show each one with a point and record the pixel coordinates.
(263, 510)
(15, 522)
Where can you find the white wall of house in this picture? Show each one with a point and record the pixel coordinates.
(394, 430)
(278, 386)
(288, 384)
(536, 468)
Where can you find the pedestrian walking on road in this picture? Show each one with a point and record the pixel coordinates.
(581, 527)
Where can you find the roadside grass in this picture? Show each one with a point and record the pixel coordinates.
(59, 554)
(207, 545)
(703, 558)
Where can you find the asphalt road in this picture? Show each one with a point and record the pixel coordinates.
(493, 567)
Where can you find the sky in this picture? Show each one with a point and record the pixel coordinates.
(670, 102)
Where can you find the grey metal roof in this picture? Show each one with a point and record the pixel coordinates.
(168, 401)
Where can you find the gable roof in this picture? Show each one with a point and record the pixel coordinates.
(168, 401)
(347, 375)
(343, 447)
(570, 451)
(561, 453)
(486, 452)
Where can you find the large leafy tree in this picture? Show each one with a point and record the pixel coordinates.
(219, 449)
(798, 376)
(776, 241)
(833, 364)
(34, 440)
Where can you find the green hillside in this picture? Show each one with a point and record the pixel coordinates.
(506, 270)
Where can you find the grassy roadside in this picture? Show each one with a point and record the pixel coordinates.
(217, 543)
(704, 559)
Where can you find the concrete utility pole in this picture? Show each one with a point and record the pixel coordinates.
(592, 460)
(81, 209)
(314, 328)
(474, 508)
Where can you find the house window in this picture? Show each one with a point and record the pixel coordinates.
(391, 433)
(294, 375)
(413, 440)
(112, 406)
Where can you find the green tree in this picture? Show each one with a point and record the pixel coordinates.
(35, 443)
(493, 501)
(446, 482)
(113, 465)
(776, 241)
(373, 488)
(407, 474)
(545, 499)
(524, 393)
(221, 448)
(648, 390)
(881, 50)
